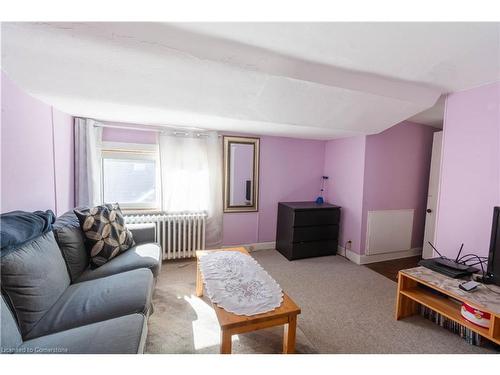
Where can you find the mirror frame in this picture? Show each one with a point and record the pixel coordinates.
(227, 141)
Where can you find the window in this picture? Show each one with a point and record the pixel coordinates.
(130, 175)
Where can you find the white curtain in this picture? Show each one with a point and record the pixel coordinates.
(88, 139)
(191, 175)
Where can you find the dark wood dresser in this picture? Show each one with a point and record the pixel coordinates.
(307, 229)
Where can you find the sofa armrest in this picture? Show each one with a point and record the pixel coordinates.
(143, 233)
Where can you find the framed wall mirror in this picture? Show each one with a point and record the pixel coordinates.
(241, 174)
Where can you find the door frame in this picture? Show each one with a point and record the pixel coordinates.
(427, 251)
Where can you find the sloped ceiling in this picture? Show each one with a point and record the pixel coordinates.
(319, 81)
(432, 116)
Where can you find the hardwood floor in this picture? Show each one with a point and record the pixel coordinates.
(390, 268)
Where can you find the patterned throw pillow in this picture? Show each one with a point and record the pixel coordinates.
(105, 232)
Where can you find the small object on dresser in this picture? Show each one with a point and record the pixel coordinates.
(307, 229)
(320, 199)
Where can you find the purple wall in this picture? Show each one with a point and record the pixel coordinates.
(345, 165)
(389, 170)
(128, 135)
(397, 164)
(32, 179)
(470, 170)
(385, 171)
(290, 170)
(240, 228)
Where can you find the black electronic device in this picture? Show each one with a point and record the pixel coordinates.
(493, 270)
(445, 270)
(449, 262)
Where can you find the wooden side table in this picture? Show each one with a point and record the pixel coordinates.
(232, 324)
(422, 286)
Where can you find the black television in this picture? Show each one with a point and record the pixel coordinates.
(494, 254)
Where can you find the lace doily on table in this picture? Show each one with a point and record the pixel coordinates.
(238, 284)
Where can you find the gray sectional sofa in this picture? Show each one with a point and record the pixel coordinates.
(53, 302)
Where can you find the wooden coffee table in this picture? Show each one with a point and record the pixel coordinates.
(232, 324)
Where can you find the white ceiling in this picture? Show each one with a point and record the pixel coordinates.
(310, 80)
(432, 116)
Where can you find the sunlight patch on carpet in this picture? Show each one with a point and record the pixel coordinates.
(204, 334)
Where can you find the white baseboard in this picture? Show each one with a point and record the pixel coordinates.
(351, 255)
(366, 259)
(255, 246)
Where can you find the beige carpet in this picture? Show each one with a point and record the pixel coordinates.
(346, 308)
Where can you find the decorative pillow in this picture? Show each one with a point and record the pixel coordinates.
(105, 232)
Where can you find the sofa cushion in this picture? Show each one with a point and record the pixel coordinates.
(141, 256)
(123, 335)
(10, 337)
(143, 233)
(105, 232)
(20, 227)
(97, 300)
(34, 277)
(71, 241)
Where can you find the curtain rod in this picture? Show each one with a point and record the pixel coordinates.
(176, 132)
(144, 129)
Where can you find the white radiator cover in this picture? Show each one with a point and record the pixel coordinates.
(179, 235)
(389, 231)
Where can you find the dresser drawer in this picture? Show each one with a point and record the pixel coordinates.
(313, 249)
(307, 229)
(316, 217)
(315, 233)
